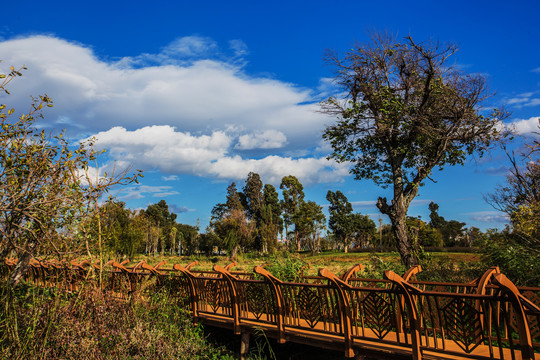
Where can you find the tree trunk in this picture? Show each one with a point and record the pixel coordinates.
(234, 251)
(21, 268)
(404, 242)
(398, 216)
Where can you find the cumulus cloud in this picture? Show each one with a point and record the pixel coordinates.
(208, 92)
(189, 109)
(171, 151)
(164, 148)
(269, 139)
(526, 126)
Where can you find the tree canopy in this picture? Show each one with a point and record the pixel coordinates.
(407, 109)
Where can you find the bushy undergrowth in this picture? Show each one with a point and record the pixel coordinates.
(446, 270)
(519, 264)
(286, 266)
(43, 323)
(376, 267)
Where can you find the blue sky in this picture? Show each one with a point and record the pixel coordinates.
(197, 94)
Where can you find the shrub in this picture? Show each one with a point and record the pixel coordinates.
(286, 266)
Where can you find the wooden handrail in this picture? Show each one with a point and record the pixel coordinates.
(233, 293)
(420, 322)
(278, 298)
(525, 339)
(344, 304)
(353, 270)
(406, 288)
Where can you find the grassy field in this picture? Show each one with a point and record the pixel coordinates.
(437, 266)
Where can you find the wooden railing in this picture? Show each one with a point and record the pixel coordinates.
(489, 318)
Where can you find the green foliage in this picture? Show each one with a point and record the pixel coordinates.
(407, 110)
(309, 221)
(377, 266)
(504, 249)
(286, 266)
(46, 324)
(448, 270)
(293, 196)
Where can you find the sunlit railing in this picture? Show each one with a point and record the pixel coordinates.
(489, 318)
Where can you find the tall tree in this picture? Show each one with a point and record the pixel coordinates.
(435, 220)
(340, 222)
(271, 222)
(519, 197)
(309, 221)
(364, 229)
(453, 232)
(407, 110)
(293, 197)
(161, 222)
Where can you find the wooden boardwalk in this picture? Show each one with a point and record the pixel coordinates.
(395, 317)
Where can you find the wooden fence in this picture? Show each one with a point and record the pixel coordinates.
(394, 317)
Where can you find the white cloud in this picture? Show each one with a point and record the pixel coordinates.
(488, 216)
(526, 126)
(523, 100)
(189, 109)
(169, 178)
(269, 139)
(210, 92)
(142, 191)
(273, 168)
(164, 148)
(174, 152)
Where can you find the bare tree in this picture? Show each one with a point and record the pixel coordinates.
(519, 197)
(45, 187)
(405, 110)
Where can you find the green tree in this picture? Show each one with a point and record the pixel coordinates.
(519, 197)
(161, 223)
(453, 232)
(271, 222)
(293, 197)
(341, 221)
(407, 110)
(425, 233)
(187, 236)
(235, 230)
(364, 229)
(435, 220)
(254, 196)
(309, 221)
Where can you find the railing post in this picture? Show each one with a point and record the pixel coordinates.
(525, 339)
(185, 271)
(278, 298)
(406, 288)
(233, 294)
(413, 270)
(353, 270)
(345, 306)
(231, 265)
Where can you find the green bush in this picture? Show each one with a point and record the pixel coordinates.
(518, 263)
(286, 266)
